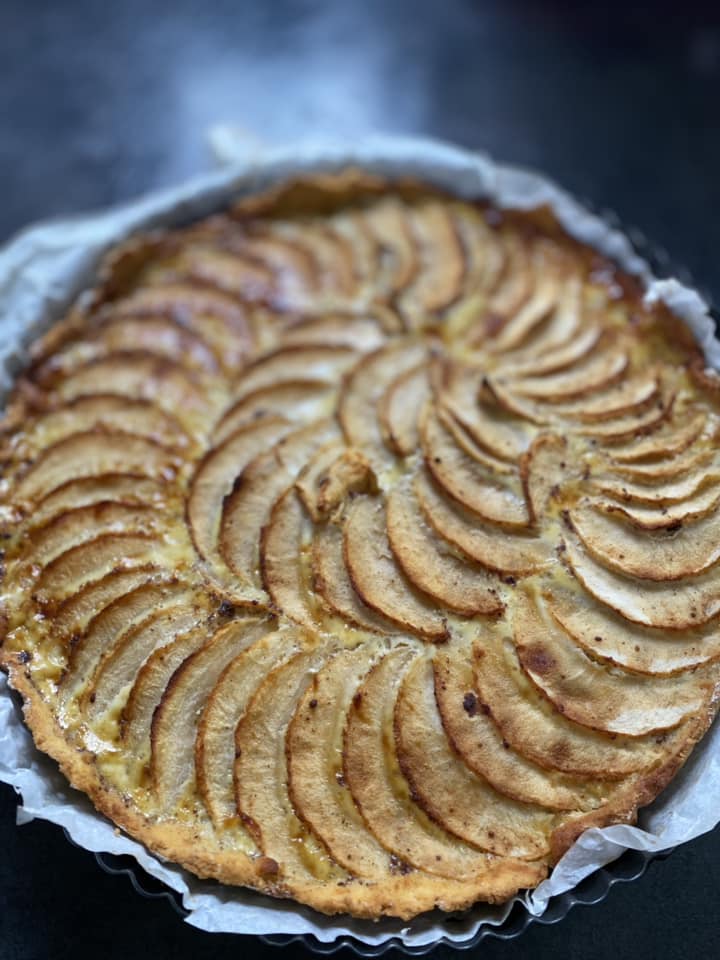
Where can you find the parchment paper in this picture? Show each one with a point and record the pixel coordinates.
(43, 270)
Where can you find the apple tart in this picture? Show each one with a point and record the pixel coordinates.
(361, 545)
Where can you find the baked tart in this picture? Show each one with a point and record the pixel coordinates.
(361, 545)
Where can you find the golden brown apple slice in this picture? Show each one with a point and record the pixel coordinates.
(332, 582)
(261, 775)
(671, 439)
(664, 517)
(658, 494)
(499, 550)
(376, 782)
(246, 278)
(665, 469)
(557, 330)
(678, 605)
(483, 256)
(513, 288)
(316, 784)
(543, 471)
(627, 399)
(441, 270)
(175, 722)
(480, 746)
(120, 664)
(328, 250)
(73, 527)
(543, 289)
(607, 637)
(378, 580)
(537, 364)
(633, 424)
(121, 488)
(216, 473)
(284, 544)
(139, 376)
(298, 401)
(93, 454)
(331, 477)
(438, 780)
(226, 705)
(77, 567)
(465, 480)
(665, 554)
(363, 389)
(593, 373)
(431, 566)
(399, 262)
(534, 728)
(399, 410)
(362, 334)
(352, 227)
(106, 628)
(294, 268)
(589, 694)
(107, 412)
(157, 335)
(452, 425)
(317, 362)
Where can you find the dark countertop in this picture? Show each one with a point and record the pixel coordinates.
(100, 102)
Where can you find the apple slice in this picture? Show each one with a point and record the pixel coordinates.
(373, 774)
(671, 439)
(399, 263)
(329, 251)
(81, 565)
(261, 775)
(362, 392)
(316, 785)
(658, 494)
(175, 722)
(672, 606)
(611, 639)
(553, 361)
(284, 544)
(480, 746)
(438, 777)
(299, 401)
(359, 333)
(332, 582)
(429, 564)
(399, 408)
(644, 419)
(119, 666)
(542, 290)
(465, 480)
(217, 471)
(106, 628)
(331, 477)
(662, 517)
(544, 470)
(665, 469)
(532, 726)
(246, 278)
(317, 362)
(110, 413)
(93, 454)
(498, 550)
(601, 369)
(226, 705)
(513, 288)
(378, 580)
(122, 488)
(587, 693)
(484, 258)
(441, 270)
(71, 528)
(295, 272)
(665, 554)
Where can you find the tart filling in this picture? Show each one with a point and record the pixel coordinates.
(361, 545)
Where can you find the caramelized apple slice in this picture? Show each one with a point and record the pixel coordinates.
(298, 401)
(217, 471)
(543, 471)
(317, 362)
(513, 289)
(483, 256)
(378, 580)
(527, 312)
(670, 440)
(226, 705)
(593, 373)
(328, 251)
(361, 395)
(535, 729)
(658, 494)
(533, 363)
(233, 274)
(673, 606)
(119, 488)
(388, 223)
(261, 775)
(399, 409)
(437, 778)
(665, 469)
(588, 694)
(429, 563)
(283, 545)
(332, 582)
(361, 334)
(175, 722)
(373, 774)
(120, 664)
(316, 784)
(438, 282)
(661, 517)
(499, 550)
(158, 335)
(480, 746)
(93, 454)
(669, 554)
(608, 637)
(467, 481)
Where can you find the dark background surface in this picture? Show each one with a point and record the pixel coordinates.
(99, 102)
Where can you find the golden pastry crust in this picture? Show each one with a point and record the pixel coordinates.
(361, 545)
